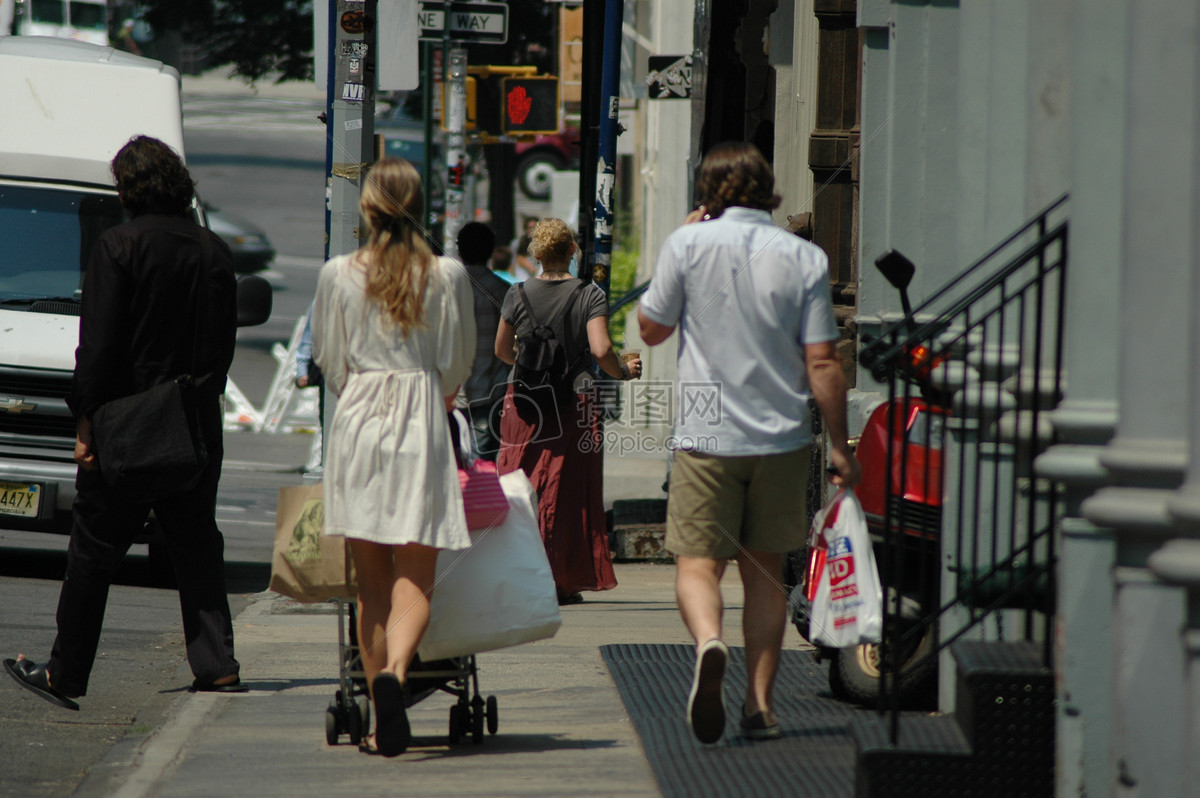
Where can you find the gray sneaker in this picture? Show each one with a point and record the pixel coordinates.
(706, 703)
(757, 727)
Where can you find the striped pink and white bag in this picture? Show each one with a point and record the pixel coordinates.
(483, 498)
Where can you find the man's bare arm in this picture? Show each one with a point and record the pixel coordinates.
(827, 381)
(651, 331)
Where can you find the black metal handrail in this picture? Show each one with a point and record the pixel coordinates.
(987, 349)
(629, 296)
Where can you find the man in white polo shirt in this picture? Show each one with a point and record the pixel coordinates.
(757, 339)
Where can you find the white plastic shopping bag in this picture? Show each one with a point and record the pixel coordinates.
(499, 592)
(844, 593)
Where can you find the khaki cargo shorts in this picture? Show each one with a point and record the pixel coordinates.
(720, 505)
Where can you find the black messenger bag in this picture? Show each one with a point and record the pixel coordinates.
(149, 445)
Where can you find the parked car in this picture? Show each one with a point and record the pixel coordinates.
(252, 250)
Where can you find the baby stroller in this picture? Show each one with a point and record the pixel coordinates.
(350, 711)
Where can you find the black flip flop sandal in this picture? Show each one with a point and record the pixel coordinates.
(210, 687)
(392, 733)
(33, 678)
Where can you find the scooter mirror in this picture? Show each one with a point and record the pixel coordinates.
(897, 269)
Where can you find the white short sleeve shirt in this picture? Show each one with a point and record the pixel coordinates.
(747, 296)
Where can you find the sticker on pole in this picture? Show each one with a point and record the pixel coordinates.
(669, 77)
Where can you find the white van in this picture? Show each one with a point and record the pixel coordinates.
(73, 106)
(81, 20)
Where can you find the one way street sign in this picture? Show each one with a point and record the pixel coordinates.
(485, 23)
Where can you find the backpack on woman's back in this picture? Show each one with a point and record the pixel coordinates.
(542, 358)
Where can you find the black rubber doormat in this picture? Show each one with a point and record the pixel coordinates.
(814, 758)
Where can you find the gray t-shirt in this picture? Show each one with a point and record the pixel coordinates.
(747, 298)
(549, 298)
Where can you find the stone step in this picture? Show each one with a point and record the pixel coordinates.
(639, 542)
(999, 741)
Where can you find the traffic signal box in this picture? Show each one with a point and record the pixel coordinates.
(501, 103)
(529, 105)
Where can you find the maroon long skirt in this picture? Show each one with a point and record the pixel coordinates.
(562, 458)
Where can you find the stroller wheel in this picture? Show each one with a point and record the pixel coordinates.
(331, 725)
(355, 723)
(493, 716)
(477, 720)
(364, 711)
(456, 723)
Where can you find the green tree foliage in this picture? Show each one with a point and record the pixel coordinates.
(262, 37)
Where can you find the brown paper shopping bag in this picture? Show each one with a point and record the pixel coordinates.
(306, 564)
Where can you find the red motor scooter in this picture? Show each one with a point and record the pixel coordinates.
(900, 451)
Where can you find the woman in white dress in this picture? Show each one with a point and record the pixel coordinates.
(394, 335)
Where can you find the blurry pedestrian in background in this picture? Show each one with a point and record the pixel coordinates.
(757, 336)
(394, 335)
(308, 373)
(145, 280)
(556, 440)
(125, 39)
(501, 264)
(476, 243)
(524, 263)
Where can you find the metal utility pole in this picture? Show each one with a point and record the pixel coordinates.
(456, 143)
(429, 223)
(349, 120)
(606, 163)
(349, 134)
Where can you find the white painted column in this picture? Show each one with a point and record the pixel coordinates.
(1147, 458)
(1087, 420)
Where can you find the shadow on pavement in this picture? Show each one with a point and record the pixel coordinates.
(136, 570)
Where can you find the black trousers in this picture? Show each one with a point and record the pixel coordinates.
(103, 528)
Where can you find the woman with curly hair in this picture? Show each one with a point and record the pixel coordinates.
(556, 439)
(394, 335)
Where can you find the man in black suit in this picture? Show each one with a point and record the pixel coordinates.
(159, 300)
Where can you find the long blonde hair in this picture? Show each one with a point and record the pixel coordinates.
(400, 260)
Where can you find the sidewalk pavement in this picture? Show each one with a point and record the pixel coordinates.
(221, 82)
(563, 729)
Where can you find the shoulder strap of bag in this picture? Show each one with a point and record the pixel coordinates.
(202, 303)
(566, 312)
(579, 286)
(525, 301)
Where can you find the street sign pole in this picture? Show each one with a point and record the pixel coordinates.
(606, 165)
(455, 23)
(455, 108)
(349, 136)
(427, 165)
(350, 120)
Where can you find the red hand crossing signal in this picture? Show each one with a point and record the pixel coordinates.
(529, 105)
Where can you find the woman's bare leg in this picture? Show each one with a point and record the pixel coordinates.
(375, 575)
(415, 567)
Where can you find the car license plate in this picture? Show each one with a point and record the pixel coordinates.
(21, 499)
